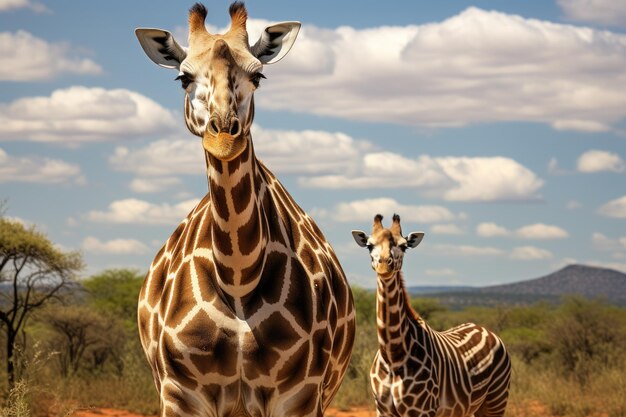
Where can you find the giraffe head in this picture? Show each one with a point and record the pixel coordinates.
(219, 73)
(387, 246)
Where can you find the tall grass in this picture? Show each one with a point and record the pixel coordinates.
(559, 368)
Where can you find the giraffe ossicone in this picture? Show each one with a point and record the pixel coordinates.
(461, 372)
(245, 311)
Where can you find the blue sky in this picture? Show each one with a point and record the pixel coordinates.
(496, 127)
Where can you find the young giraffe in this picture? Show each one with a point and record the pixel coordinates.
(418, 371)
(245, 311)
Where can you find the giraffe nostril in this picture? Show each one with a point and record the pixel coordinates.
(389, 261)
(235, 127)
(213, 127)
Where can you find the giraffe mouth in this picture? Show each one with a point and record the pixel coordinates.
(386, 272)
(224, 146)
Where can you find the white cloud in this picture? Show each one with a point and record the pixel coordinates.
(491, 230)
(24, 57)
(447, 73)
(307, 151)
(115, 246)
(531, 231)
(466, 250)
(154, 185)
(530, 253)
(606, 12)
(541, 231)
(442, 272)
(283, 151)
(616, 246)
(6, 5)
(81, 114)
(365, 210)
(449, 178)
(598, 161)
(336, 160)
(489, 179)
(134, 211)
(447, 229)
(161, 158)
(614, 208)
(38, 170)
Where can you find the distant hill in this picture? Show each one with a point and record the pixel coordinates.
(583, 280)
(588, 281)
(419, 290)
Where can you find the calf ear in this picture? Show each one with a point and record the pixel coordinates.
(414, 239)
(161, 47)
(275, 42)
(360, 238)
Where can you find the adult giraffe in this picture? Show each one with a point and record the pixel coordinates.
(461, 372)
(245, 311)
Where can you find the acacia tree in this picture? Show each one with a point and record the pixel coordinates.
(32, 272)
(85, 338)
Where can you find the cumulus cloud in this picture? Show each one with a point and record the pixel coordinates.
(477, 66)
(491, 230)
(532, 231)
(283, 151)
(307, 151)
(163, 157)
(134, 211)
(335, 160)
(78, 115)
(38, 170)
(530, 253)
(365, 210)
(617, 246)
(154, 185)
(614, 208)
(6, 5)
(447, 229)
(541, 231)
(466, 250)
(606, 12)
(25, 57)
(449, 178)
(115, 246)
(598, 161)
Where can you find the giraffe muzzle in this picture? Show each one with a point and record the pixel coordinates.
(224, 146)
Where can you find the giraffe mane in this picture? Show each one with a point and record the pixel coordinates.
(410, 311)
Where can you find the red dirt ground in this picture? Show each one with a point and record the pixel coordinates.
(111, 412)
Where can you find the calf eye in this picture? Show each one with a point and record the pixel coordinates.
(185, 79)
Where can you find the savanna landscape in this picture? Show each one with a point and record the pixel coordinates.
(78, 351)
(495, 129)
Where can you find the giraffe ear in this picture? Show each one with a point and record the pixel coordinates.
(360, 238)
(161, 47)
(275, 42)
(414, 239)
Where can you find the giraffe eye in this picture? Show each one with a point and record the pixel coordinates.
(185, 79)
(255, 79)
(370, 247)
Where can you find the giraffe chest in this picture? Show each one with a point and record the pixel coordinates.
(262, 340)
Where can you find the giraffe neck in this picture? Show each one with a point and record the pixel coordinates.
(395, 319)
(238, 227)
